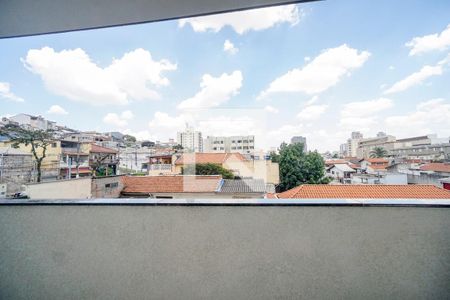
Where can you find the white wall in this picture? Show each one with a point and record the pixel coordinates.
(63, 189)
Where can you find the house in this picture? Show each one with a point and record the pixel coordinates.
(161, 164)
(50, 164)
(429, 173)
(171, 187)
(16, 169)
(74, 160)
(33, 122)
(341, 173)
(103, 160)
(364, 191)
(374, 165)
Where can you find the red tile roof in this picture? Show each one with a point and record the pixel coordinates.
(376, 160)
(335, 161)
(99, 149)
(203, 158)
(378, 167)
(436, 167)
(364, 191)
(171, 184)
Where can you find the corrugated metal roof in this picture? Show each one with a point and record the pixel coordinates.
(243, 186)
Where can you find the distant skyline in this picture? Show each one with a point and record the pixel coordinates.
(319, 70)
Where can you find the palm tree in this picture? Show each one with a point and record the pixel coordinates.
(378, 152)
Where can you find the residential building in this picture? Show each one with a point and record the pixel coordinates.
(135, 159)
(16, 168)
(430, 173)
(374, 165)
(300, 140)
(435, 152)
(343, 150)
(33, 122)
(235, 162)
(364, 191)
(161, 164)
(229, 144)
(50, 164)
(380, 178)
(365, 146)
(243, 188)
(74, 160)
(341, 173)
(353, 143)
(103, 159)
(190, 140)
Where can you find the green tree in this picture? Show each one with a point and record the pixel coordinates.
(297, 167)
(378, 152)
(177, 148)
(39, 140)
(274, 157)
(207, 169)
(129, 138)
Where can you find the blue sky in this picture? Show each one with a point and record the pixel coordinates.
(320, 69)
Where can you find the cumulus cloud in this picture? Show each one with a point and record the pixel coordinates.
(435, 41)
(72, 74)
(414, 79)
(312, 112)
(244, 21)
(271, 109)
(5, 93)
(229, 47)
(118, 120)
(214, 91)
(366, 108)
(323, 72)
(429, 117)
(57, 110)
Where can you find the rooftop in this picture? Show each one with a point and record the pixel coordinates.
(365, 191)
(99, 149)
(171, 184)
(12, 151)
(436, 167)
(243, 186)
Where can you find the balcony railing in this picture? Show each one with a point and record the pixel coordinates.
(160, 167)
(63, 164)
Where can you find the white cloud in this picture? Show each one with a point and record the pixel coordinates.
(323, 72)
(429, 117)
(214, 91)
(312, 100)
(72, 74)
(366, 108)
(271, 109)
(5, 93)
(414, 79)
(118, 120)
(243, 21)
(435, 41)
(57, 110)
(312, 112)
(229, 47)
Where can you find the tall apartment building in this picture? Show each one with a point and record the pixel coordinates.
(190, 140)
(298, 140)
(353, 143)
(382, 140)
(343, 150)
(244, 144)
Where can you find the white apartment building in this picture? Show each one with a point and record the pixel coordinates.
(244, 144)
(33, 122)
(190, 140)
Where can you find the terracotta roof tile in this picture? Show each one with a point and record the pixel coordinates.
(203, 158)
(171, 184)
(99, 149)
(365, 191)
(436, 167)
